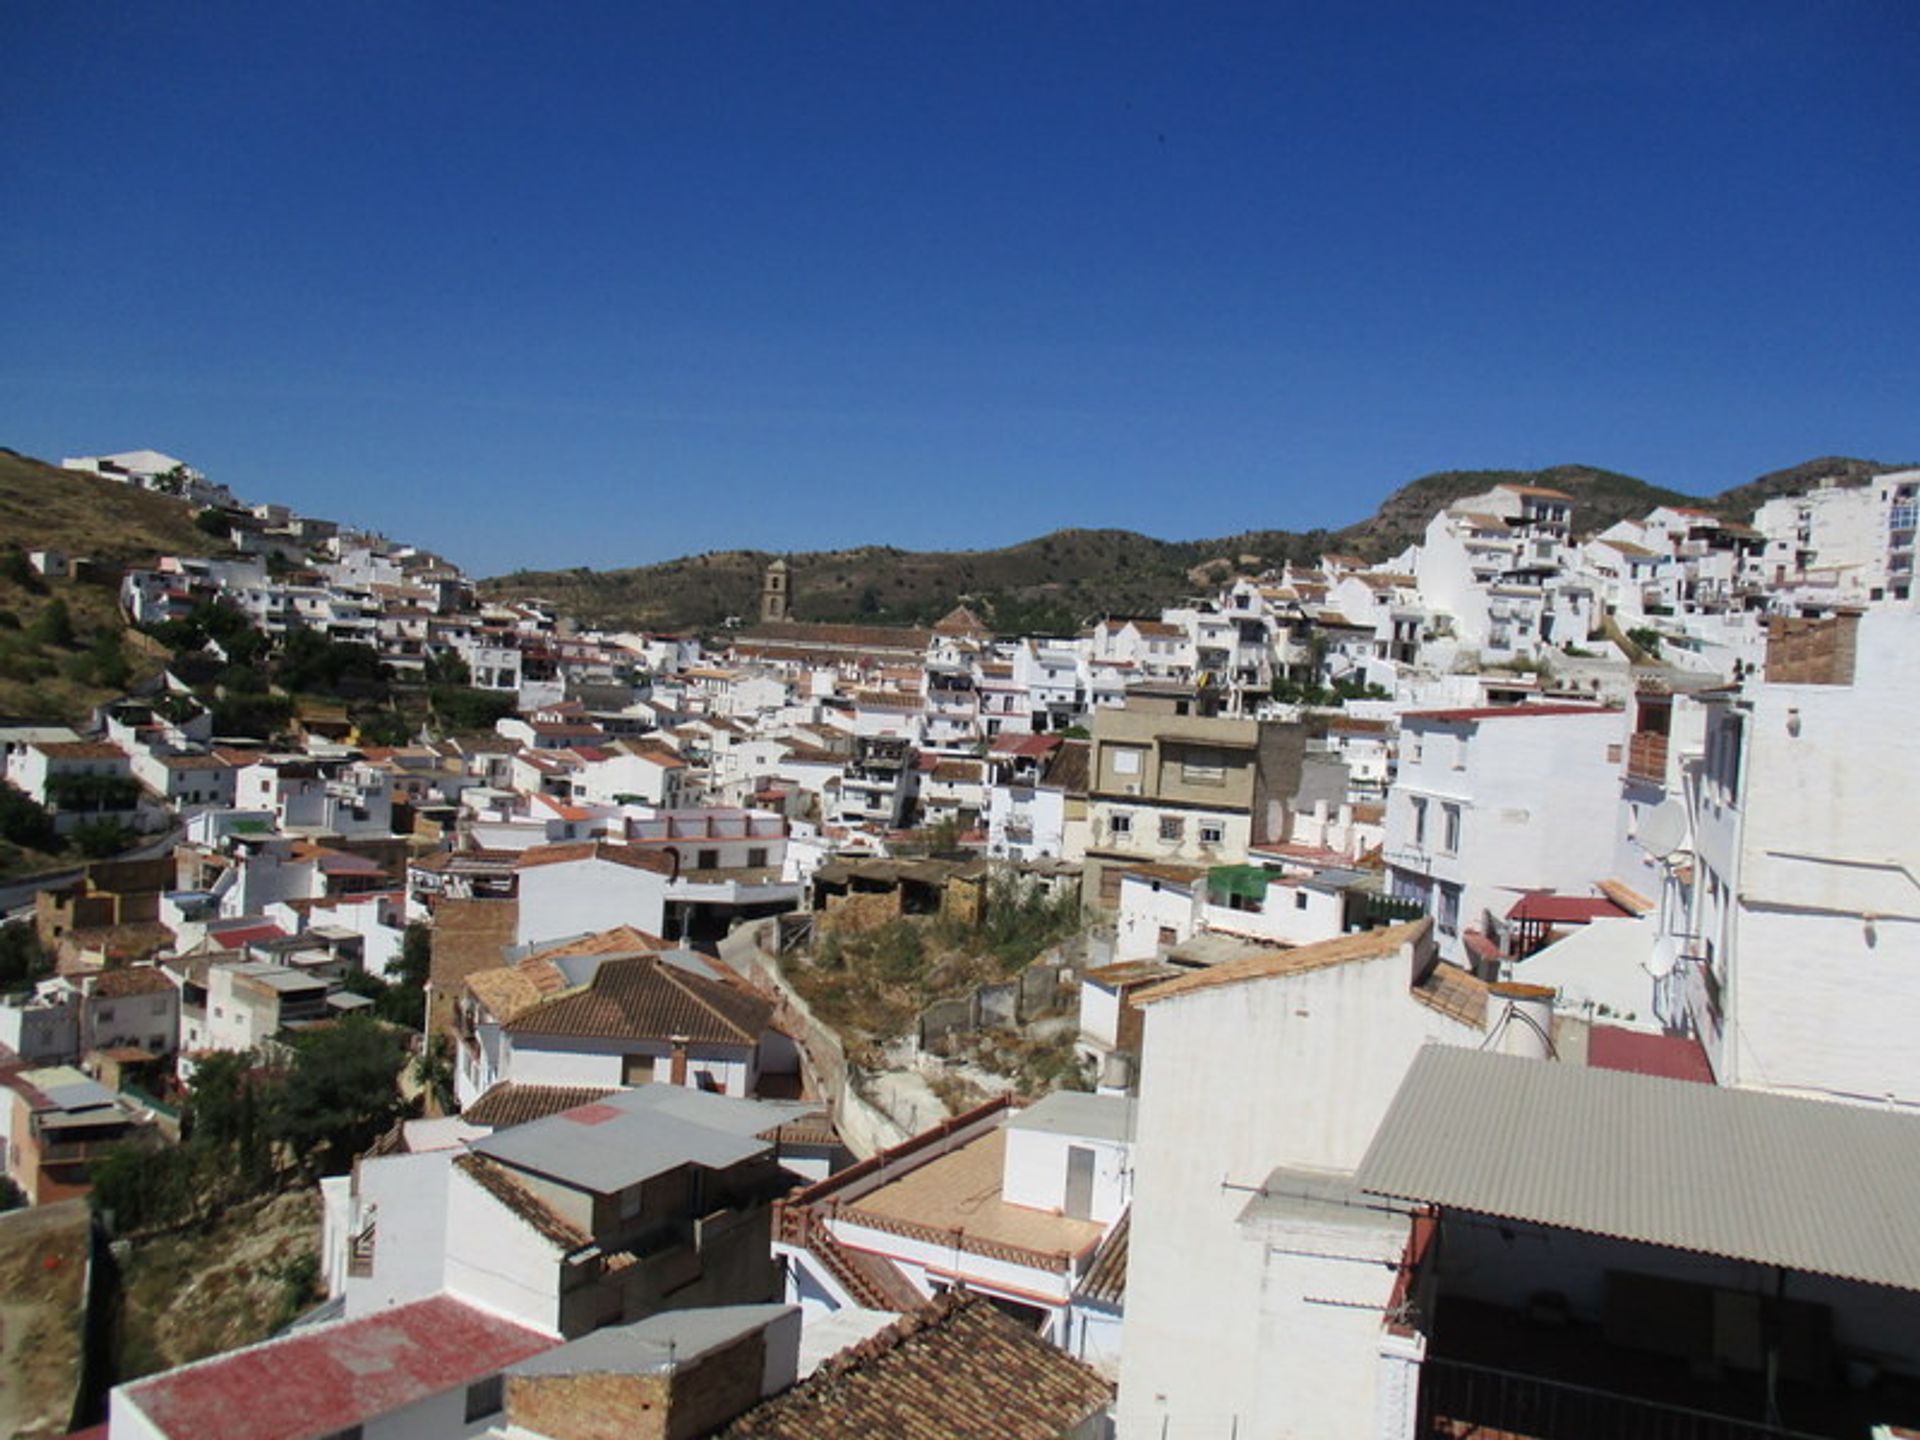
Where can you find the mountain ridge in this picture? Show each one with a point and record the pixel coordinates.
(1058, 580)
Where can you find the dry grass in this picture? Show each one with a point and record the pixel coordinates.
(193, 1294)
(43, 1268)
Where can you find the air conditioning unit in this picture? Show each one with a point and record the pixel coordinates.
(1132, 787)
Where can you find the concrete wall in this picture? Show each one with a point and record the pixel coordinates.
(1818, 840)
(577, 897)
(500, 1264)
(1035, 1173)
(1324, 1051)
(407, 1198)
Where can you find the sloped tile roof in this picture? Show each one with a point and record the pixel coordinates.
(958, 1370)
(508, 1104)
(644, 998)
(133, 980)
(1106, 1281)
(1265, 964)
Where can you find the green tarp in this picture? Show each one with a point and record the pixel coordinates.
(1246, 881)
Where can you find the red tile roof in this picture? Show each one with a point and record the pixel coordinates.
(958, 1369)
(133, 980)
(337, 1376)
(1024, 745)
(632, 856)
(1675, 1057)
(507, 1104)
(645, 998)
(1551, 909)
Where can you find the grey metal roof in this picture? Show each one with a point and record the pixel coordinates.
(654, 1345)
(1319, 1197)
(1074, 1112)
(610, 1144)
(1808, 1185)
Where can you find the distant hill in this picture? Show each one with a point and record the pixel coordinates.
(44, 506)
(1600, 498)
(1058, 581)
(1741, 501)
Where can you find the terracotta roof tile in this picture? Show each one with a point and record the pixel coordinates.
(644, 997)
(1106, 1279)
(632, 856)
(1455, 993)
(133, 980)
(958, 1370)
(1264, 964)
(508, 1104)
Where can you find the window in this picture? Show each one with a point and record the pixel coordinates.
(1419, 820)
(1451, 815)
(1126, 762)
(757, 857)
(1448, 919)
(630, 1204)
(1299, 899)
(1172, 828)
(636, 1070)
(1122, 824)
(709, 860)
(1204, 767)
(486, 1397)
(1212, 832)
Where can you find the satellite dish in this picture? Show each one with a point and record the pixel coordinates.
(1663, 828)
(1665, 955)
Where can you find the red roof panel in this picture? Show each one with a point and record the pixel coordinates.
(335, 1376)
(1543, 905)
(1673, 1057)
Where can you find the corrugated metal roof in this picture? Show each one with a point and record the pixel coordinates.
(1807, 1185)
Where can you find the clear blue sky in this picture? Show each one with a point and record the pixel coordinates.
(581, 284)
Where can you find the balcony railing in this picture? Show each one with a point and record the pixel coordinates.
(1459, 1400)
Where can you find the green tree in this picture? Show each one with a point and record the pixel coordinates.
(23, 959)
(342, 1093)
(54, 626)
(108, 660)
(101, 839)
(24, 821)
(433, 1073)
(15, 566)
(12, 1197)
(143, 1185)
(229, 1117)
(447, 669)
(216, 523)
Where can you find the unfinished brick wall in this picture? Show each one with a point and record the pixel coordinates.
(694, 1399)
(1812, 652)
